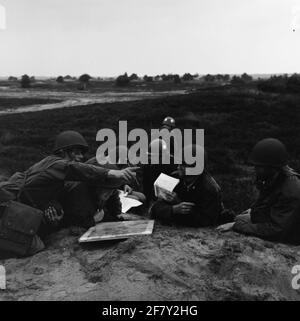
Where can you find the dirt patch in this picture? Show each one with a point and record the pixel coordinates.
(171, 264)
(67, 99)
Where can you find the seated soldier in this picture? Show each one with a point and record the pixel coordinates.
(195, 201)
(157, 149)
(275, 215)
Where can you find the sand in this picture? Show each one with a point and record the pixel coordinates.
(171, 264)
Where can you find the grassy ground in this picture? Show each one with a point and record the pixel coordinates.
(234, 120)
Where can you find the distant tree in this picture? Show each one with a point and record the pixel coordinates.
(277, 84)
(196, 76)
(168, 77)
(32, 79)
(226, 77)
(60, 79)
(133, 77)
(157, 78)
(209, 78)
(219, 77)
(246, 78)
(123, 80)
(25, 81)
(187, 77)
(12, 78)
(68, 77)
(236, 80)
(84, 79)
(176, 79)
(293, 83)
(148, 78)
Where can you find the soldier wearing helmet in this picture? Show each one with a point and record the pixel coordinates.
(83, 199)
(159, 161)
(196, 200)
(168, 123)
(43, 184)
(275, 215)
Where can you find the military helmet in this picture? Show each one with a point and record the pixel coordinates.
(169, 121)
(158, 147)
(69, 139)
(269, 152)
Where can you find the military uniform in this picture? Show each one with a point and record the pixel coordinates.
(276, 213)
(204, 192)
(81, 200)
(44, 182)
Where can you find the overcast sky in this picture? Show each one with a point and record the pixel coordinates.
(110, 37)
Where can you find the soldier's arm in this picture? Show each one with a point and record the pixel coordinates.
(75, 171)
(85, 172)
(281, 215)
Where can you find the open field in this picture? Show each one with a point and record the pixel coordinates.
(182, 264)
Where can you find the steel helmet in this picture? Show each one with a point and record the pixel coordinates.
(269, 152)
(169, 121)
(158, 147)
(68, 139)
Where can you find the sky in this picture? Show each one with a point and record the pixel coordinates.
(110, 37)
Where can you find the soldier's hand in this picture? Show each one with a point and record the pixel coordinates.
(246, 212)
(170, 197)
(128, 189)
(52, 215)
(126, 175)
(183, 208)
(225, 227)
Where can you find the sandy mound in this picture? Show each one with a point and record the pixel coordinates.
(171, 264)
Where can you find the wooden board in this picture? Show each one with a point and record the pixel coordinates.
(117, 230)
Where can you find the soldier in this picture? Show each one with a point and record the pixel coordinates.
(275, 215)
(42, 185)
(83, 199)
(159, 149)
(196, 200)
(168, 123)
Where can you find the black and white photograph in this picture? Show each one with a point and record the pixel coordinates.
(149, 153)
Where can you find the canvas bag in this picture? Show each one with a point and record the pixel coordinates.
(18, 225)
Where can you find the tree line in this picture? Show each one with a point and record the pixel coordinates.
(125, 79)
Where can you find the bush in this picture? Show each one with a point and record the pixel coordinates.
(60, 79)
(25, 81)
(122, 80)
